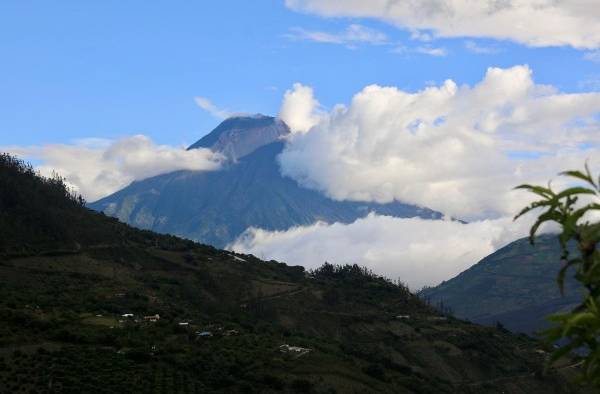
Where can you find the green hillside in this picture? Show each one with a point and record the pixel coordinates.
(515, 286)
(76, 286)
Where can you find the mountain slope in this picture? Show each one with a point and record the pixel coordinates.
(73, 303)
(515, 286)
(238, 136)
(215, 207)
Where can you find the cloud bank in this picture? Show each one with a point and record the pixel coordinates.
(420, 252)
(537, 23)
(456, 149)
(96, 168)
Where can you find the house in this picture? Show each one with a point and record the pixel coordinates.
(296, 351)
(152, 318)
(127, 315)
(204, 334)
(184, 323)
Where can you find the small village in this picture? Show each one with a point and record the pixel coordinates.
(199, 331)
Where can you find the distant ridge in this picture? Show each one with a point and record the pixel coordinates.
(515, 286)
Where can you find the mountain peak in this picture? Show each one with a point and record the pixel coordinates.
(240, 135)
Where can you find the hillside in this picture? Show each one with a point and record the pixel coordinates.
(215, 207)
(515, 286)
(79, 295)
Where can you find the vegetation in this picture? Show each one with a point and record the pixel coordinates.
(578, 329)
(43, 214)
(73, 305)
(28, 201)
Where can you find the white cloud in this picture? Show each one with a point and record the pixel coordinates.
(419, 252)
(456, 149)
(474, 47)
(590, 83)
(423, 50)
(300, 110)
(96, 168)
(535, 23)
(352, 35)
(207, 105)
(592, 56)
(421, 36)
(432, 51)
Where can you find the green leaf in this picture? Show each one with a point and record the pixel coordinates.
(579, 175)
(573, 191)
(534, 205)
(580, 327)
(545, 217)
(579, 321)
(539, 190)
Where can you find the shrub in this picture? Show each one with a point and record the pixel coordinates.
(579, 328)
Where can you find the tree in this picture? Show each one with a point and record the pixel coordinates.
(580, 328)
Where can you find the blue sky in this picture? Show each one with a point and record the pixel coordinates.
(107, 69)
(106, 93)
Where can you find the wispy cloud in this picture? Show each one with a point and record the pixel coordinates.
(431, 51)
(591, 83)
(592, 56)
(474, 47)
(423, 50)
(419, 35)
(207, 105)
(353, 35)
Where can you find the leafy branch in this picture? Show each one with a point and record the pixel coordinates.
(578, 329)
